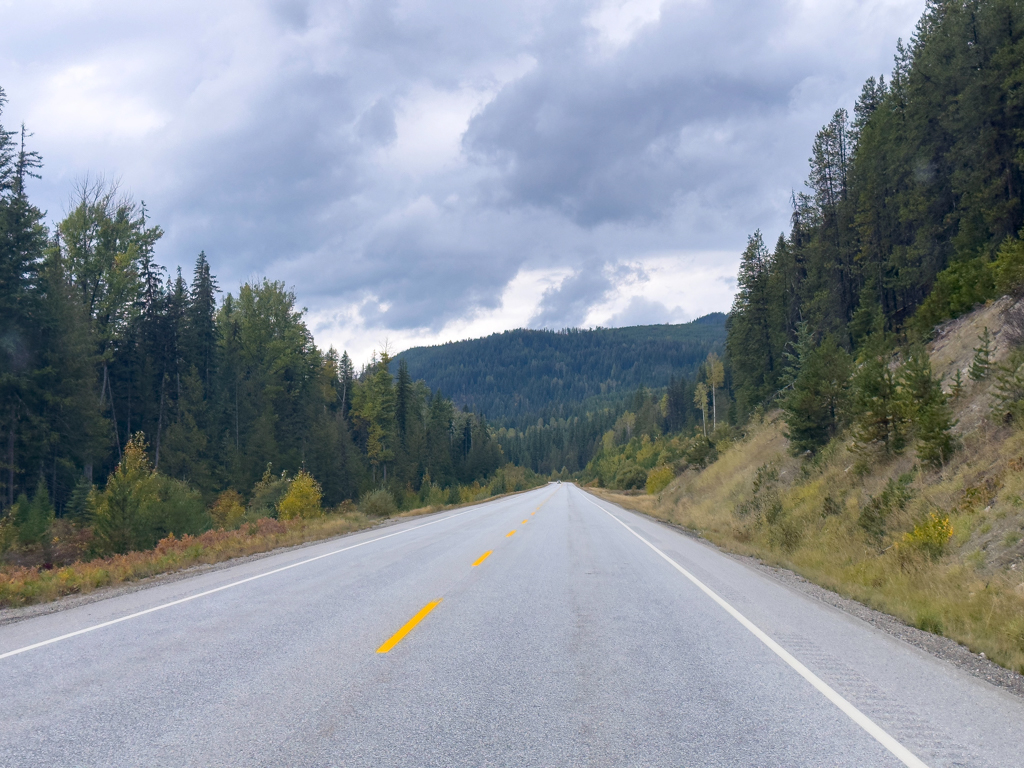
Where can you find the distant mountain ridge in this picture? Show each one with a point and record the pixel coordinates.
(511, 375)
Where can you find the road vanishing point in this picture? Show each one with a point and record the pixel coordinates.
(544, 629)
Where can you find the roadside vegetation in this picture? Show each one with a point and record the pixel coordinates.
(130, 530)
(874, 368)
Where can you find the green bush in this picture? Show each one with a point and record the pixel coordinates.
(33, 518)
(894, 498)
(378, 503)
(267, 494)
(631, 477)
(172, 507)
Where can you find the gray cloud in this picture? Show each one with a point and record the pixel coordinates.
(642, 311)
(566, 306)
(423, 154)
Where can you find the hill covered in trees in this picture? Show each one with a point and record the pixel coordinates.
(517, 377)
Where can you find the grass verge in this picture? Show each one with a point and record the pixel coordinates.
(939, 550)
(21, 586)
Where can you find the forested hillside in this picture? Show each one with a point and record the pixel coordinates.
(554, 394)
(517, 377)
(108, 362)
(912, 207)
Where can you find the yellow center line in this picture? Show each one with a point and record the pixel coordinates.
(524, 522)
(509, 534)
(410, 625)
(483, 557)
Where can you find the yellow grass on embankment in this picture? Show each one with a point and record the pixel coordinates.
(972, 591)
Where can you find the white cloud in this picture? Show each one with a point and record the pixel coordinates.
(344, 328)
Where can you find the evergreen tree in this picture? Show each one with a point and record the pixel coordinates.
(817, 406)
(881, 421)
(926, 405)
(981, 365)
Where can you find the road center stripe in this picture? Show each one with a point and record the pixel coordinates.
(483, 557)
(409, 627)
(509, 534)
(901, 753)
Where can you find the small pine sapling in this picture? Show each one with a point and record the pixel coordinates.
(981, 366)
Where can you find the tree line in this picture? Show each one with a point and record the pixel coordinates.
(102, 349)
(911, 217)
(519, 377)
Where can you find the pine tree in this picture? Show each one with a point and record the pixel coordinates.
(925, 404)
(817, 405)
(981, 365)
(346, 374)
(881, 421)
(956, 387)
(716, 377)
(202, 322)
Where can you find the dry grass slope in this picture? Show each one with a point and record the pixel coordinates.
(942, 550)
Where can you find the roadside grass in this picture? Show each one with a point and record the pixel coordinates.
(21, 586)
(931, 566)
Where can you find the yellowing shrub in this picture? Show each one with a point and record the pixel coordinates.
(302, 499)
(930, 536)
(659, 477)
(227, 511)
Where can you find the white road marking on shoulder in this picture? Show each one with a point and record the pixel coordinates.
(901, 753)
(161, 607)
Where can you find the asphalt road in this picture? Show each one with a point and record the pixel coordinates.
(590, 636)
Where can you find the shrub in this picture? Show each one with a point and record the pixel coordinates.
(267, 494)
(172, 507)
(894, 497)
(119, 523)
(659, 478)
(302, 500)
(631, 477)
(929, 537)
(34, 518)
(378, 503)
(227, 511)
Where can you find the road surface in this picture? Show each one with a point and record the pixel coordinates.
(588, 636)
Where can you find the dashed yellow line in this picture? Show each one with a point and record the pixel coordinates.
(409, 626)
(482, 557)
(524, 522)
(509, 534)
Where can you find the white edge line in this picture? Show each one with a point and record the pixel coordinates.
(903, 754)
(161, 607)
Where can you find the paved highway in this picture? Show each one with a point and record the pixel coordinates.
(588, 636)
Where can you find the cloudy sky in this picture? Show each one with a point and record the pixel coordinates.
(426, 170)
